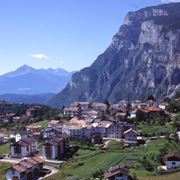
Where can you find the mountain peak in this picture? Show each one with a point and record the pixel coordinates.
(25, 67)
(141, 60)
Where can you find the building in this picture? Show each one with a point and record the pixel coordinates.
(72, 112)
(18, 135)
(97, 106)
(24, 148)
(102, 127)
(82, 105)
(52, 131)
(26, 169)
(150, 112)
(53, 123)
(172, 160)
(130, 136)
(117, 173)
(34, 128)
(33, 112)
(56, 148)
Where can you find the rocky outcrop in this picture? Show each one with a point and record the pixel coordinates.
(143, 59)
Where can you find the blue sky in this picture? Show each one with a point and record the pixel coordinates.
(59, 33)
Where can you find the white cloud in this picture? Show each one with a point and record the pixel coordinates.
(39, 56)
(169, 1)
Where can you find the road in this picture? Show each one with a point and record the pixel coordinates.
(53, 171)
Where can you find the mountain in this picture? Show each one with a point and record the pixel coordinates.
(143, 59)
(28, 80)
(27, 99)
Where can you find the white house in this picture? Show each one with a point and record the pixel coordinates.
(25, 169)
(172, 160)
(24, 148)
(130, 136)
(18, 135)
(56, 148)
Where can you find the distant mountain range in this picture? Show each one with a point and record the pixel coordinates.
(30, 85)
(27, 99)
(143, 59)
(28, 80)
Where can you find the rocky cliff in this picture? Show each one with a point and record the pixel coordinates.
(143, 59)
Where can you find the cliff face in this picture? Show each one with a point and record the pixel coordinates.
(143, 58)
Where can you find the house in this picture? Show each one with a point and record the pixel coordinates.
(117, 173)
(82, 105)
(75, 127)
(3, 119)
(56, 148)
(72, 112)
(34, 128)
(52, 131)
(89, 115)
(133, 114)
(33, 112)
(162, 105)
(26, 169)
(172, 160)
(19, 119)
(108, 129)
(24, 148)
(130, 136)
(150, 112)
(96, 138)
(18, 135)
(53, 123)
(97, 106)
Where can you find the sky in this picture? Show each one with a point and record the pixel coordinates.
(67, 34)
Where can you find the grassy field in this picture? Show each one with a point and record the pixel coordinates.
(130, 157)
(43, 123)
(4, 149)
(174, 176)
(152, 130)
(3, 168)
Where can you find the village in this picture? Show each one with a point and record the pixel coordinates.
(37, 151)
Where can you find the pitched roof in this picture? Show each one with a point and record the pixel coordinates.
(131, 130)
(55, 141)
(172, 157)
(104, 124)
(53, 122)
(38, 159)
(30, 160)
(19, 168)
(152, 109)
(115, 170)
(25, 141)
(33, 126)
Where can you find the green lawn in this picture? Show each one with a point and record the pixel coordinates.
(43, 123)
(174, 176)
(130, 157)
(4, 149)
(152, 130)
(3, 169)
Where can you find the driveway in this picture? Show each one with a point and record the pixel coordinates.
(53, 171)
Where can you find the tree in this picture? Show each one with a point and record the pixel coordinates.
(177, 95)
(108, 106)
(151, 97)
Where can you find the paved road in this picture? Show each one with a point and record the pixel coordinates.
(53, 171)
(10, 160)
